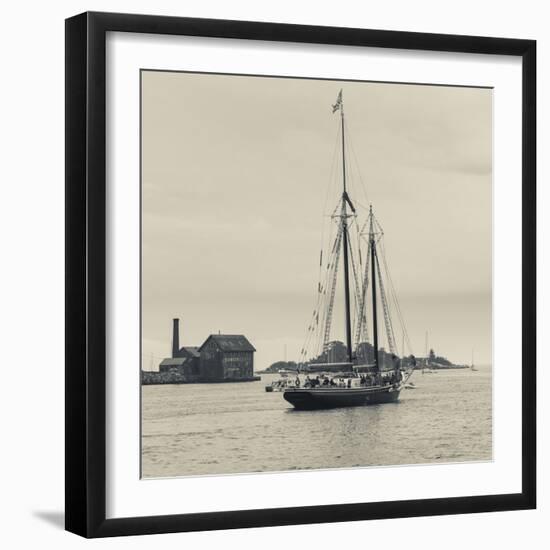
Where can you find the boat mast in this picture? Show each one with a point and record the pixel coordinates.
(344, 221)
(372, 245)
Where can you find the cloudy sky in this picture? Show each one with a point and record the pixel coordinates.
(239, 174)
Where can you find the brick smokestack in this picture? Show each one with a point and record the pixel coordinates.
(176, 338)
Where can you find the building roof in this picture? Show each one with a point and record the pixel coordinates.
(173, 361)
(230, 342)
(193, 351)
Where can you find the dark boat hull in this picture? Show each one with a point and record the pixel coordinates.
(331, 398)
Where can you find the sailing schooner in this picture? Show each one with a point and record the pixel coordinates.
(350, 383)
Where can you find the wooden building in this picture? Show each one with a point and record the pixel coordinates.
(226, 357)
(222, 358)
(192, 358)
(185, 366)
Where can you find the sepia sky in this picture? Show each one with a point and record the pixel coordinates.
(239, 174)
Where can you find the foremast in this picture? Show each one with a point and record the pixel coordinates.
(373, 262)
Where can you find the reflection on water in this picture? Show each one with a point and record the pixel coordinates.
(200, 429)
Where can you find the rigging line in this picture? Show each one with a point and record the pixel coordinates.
(363, 328)
(314, 319)
(331, 183)
(353, 301)
(393, 294)
(397, 305)
(321, 309)
(361, 325)
(321, 280)
(328, 278)
(309, 326)
(332, 283)
(360, 204)
(321, 288)
(396, 301)
(387, 318)
(313, 327)
(356, 171)
(358, 238)
(330, 292)
(363, 186)
(361, 313)
(320, 321)
(338, 207)
(360, 271)
(356, 284)
(305, 345)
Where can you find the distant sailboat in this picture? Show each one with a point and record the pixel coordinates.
(472, 366)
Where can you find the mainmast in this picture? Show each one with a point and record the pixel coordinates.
(344, 221)
(372, 246)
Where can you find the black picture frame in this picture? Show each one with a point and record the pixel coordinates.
(86, 274)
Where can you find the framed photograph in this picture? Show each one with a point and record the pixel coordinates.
(300, 274)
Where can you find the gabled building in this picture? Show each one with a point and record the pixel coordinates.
(226, 357)
(171, 363)
(222, 358)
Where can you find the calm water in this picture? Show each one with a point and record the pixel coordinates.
(202, 429)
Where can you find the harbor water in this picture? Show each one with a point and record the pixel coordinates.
(201, 429)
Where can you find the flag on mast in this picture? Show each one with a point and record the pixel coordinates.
(338, 105)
